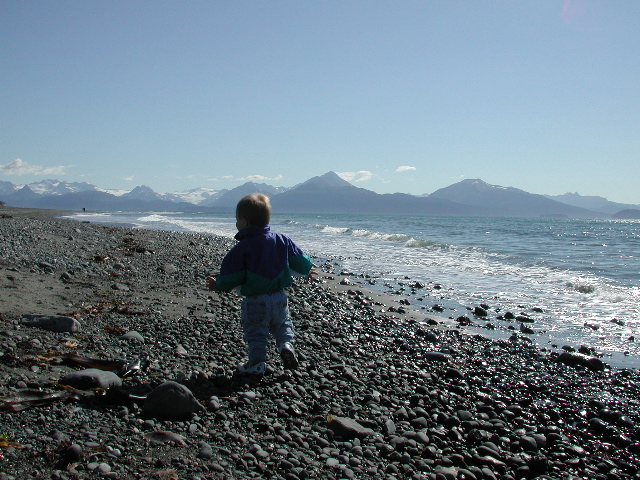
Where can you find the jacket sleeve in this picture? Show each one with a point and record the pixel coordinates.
(300, 264)
(298, 261)
(233, 271)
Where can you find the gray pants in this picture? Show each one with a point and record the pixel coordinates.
(263, 315)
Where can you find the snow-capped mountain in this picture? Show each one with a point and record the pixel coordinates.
(48, 187)
(56, 187)
(229, 198)
(323, 194)
(196, 196)
(113, 191)
(144, 193)
(7, 188)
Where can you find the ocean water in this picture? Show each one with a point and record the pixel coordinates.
(583, 274)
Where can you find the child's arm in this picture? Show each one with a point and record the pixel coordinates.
(312, 271)
(301, 264)
(233, 271)
(310, 278)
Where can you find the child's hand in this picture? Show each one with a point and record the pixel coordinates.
(211, 283)
(310, 278)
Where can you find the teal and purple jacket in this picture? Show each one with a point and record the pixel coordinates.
(261, 262)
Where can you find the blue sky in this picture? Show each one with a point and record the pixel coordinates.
(406, 96)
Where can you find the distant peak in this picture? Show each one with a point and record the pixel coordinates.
(142, 188)
(329, 179)
(142, 192)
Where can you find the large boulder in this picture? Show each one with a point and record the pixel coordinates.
(348, 427)
(574, 359)
(91, 378)
(53, 323)
(171, 401)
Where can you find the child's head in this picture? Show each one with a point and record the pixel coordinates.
(254, 209)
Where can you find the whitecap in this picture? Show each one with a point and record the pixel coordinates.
(336, 230)
(581, 286)
(153, 218)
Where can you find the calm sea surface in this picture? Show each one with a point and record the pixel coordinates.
(583, 274)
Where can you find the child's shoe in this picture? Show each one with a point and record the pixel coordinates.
(288, 356)
(252, 368)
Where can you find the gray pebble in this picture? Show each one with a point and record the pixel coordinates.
(132, 335)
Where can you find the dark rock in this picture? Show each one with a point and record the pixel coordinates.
(171, 400)
(453, 373)
(169, 269)
(91, 378)
(132, 335)
(526, 330)
(484, 450)
(480, 312)
(205, 450)
(389, 427)
(436, 356)
(53, 323)
(60, 437)
(348, 428)
(585, 350)
(574, 359)
(214, 404)
(71, 454)
(528, 443)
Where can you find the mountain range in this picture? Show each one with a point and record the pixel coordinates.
(323, 194)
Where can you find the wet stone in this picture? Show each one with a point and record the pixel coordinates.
(91, 378)
(54, 323)
(133, 336)
(171, 400)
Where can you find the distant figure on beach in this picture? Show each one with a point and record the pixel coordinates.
(261, 264)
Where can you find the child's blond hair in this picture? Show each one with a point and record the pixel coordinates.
(255, 209)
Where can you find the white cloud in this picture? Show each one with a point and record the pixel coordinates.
(128, 179)
(361, 176)
(260, 178)
(20, 167)
(404, 168)
(217, 179)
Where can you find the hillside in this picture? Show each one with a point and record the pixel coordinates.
(597, 204)
(508, 201)
(327, 193)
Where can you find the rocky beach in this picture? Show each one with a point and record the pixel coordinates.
(116, 362)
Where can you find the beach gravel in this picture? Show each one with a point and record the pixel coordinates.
(378, 394)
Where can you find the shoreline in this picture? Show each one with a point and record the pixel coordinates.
(33, 213)
(407, 399)
(615, 345)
